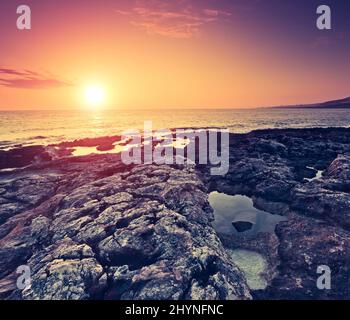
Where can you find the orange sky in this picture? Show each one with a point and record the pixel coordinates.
(151, 55)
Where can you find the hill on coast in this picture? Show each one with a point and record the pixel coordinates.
(333, 104)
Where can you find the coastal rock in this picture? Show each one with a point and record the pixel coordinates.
(316, 200)
(339, 169)
(91, 227)
(23, 156)
(306, 244)
(142, 234)
(65, 271)
(317, 230)
(25, 192)
(270, 146)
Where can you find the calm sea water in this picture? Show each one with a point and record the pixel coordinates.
(45, 127)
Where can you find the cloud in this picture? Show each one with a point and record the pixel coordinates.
(176, 19)
(28, 79)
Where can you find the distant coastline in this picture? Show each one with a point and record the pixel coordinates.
(333, 104)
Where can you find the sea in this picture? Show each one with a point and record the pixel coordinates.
(24, 128)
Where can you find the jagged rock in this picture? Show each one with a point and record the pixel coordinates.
(22, 156)
(306, 244)
(155, 235)
(270, 146)
(339, 168)
(40, 230)
(65, 270)
(91, 227)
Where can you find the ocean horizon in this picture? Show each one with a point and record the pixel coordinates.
(23, 128)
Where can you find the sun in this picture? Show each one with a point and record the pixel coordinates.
(95, 95)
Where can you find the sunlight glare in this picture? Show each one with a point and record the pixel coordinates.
(95, 96)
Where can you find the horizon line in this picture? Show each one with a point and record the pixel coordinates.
(121, 108)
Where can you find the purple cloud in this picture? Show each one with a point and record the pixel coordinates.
(176, 19)
(28, 79)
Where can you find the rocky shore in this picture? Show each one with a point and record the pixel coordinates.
(90, 227)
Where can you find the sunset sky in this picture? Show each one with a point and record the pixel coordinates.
(173, 54)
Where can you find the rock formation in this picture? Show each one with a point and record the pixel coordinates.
(93, 228)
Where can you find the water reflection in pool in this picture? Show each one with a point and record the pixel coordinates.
(253, 265)
(233, 213)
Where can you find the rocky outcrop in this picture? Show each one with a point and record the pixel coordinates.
(23, 156)
(306, 244)
(142, 233)
(93, 228)
(317, 231)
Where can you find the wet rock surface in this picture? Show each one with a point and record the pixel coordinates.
(317, 230)
(93, 228)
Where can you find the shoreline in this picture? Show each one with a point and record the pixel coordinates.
(106, 143)
(8, 145)
(145, 231)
